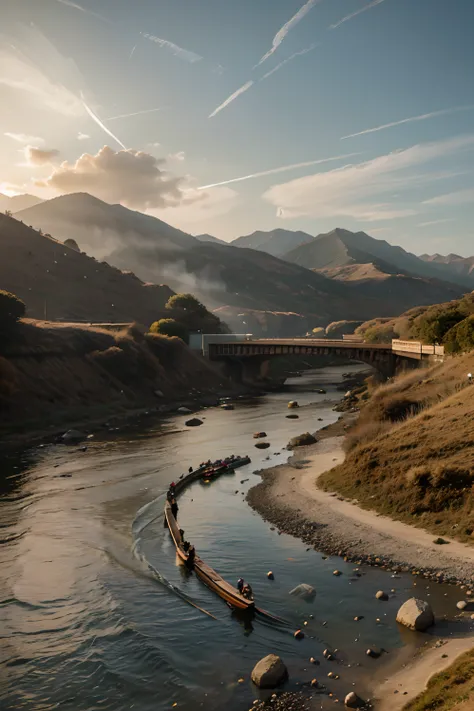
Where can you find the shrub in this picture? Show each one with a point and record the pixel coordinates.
(186, 302)
(170, 327)
(11, 308)
(460, 337)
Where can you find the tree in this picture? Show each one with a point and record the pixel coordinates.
(186, 302)
(11, 308)
(434, 325)
(460, 338)
(170, 327)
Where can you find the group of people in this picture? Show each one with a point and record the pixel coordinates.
(244, 589)
(171, 496)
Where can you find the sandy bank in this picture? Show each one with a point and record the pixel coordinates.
(289, 498)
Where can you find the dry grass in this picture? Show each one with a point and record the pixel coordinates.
(411, 456)
(450, 690)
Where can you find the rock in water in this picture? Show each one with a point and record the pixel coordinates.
(301, 440)
(292, 417)
(461, 605)
(262, 445)
(352, 700)
(259, 435)
(415, 614)
(184, 410)
(193, 422)
(269, 672)
(381, 595)
(305, 591)
(73, 437)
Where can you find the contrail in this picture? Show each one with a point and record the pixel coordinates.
(99, 123)
(178, 51)
(133, 51)
(411, 119)
(231, 98)
(282, 169)
(357, 12)
(285, 61)
(283, 31)
(74, 5)
(136, 113)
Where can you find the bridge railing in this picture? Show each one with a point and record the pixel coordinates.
(416, 347)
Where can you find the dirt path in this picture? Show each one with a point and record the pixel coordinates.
(288, 497)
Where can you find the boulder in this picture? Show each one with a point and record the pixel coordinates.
(461, 605)
(415, 614)
(262, 445)
(259, 435)
(269, 672)
(159, 393)
(381, 595)
(73, 437)
(292, 417)
(301, 440)
(299, 634)
(193, 422)
(270, 575)
(184, 410)
(292, 404)
(305, 591)
(352, 701)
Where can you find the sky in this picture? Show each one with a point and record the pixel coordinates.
(226, 116)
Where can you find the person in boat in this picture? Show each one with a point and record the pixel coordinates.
(174, 508)
(181, 533)
(247, 591)
(190, 470)
(240, 585)
(191, 557)
(186, 546)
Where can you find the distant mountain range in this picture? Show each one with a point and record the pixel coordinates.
(17, 202)
(463, 267)
(313, 280)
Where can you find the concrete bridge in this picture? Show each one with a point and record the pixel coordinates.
(248, 358)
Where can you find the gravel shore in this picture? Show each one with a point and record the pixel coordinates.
(288, 497)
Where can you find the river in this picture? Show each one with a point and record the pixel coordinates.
(95, 613)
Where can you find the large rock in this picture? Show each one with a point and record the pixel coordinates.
(301, 440)
(352, 701)
(73, 437)
(184, 410)
(269, 672)
(262, 445)
(415, 614)
(305, 591)
(193, 422)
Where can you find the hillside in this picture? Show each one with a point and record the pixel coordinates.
(210, 238)
(411, 455)
(17, 202)
(276, 242)
(55, 375)
(58, 281)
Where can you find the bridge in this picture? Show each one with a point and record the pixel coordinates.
(246, 357)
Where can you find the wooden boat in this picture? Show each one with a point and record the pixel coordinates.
(238, 462)
(209, 576)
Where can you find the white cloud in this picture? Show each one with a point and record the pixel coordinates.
(133, 178)
(283, 31)
(82, 136)
(200, 207)
(231, 98)
(180, 156)
(36, 156)
(357, 12)
(363, 191)
(35, 68)
(175, 49)
(456, 198)
(421, 117)
(437, 222)
(281, 169)
(24, 138)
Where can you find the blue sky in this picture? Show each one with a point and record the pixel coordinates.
(310, 74)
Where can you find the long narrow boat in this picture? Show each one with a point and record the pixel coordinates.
(209, 576)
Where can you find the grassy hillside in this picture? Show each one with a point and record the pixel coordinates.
(411, 454)
(54, 374)
(449, 690)
(450, 323)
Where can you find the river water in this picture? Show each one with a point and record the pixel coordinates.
(95, 612)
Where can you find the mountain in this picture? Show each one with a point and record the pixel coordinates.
(210, 238)
(341, 247)
(276, 242)
(18, 202)
(453, 264)
(100, 228)
(57, 282)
